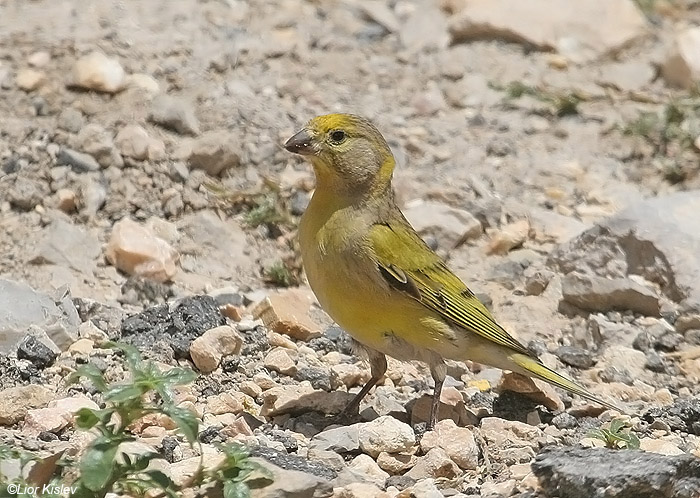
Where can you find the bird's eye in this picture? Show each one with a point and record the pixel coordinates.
(338, 136)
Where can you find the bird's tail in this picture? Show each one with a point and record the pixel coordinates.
(533, 368)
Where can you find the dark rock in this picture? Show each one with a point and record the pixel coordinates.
(12, 165)
(323, 344)
(642, 342)
(168, 447)
(320, 378)
(174, 329)
(571, 472)
(576, 357)
(78, 161)
(137, 290)
(37, 352)
(293, 462)
(289, 442)
(655, 362)
(342, 340)
(233, 298)
(668, 341)
(47, 436)
(537, 347)
(400, 482)
(683, 415)
(510, 405)
(230, 364)
(254, 341)
(210, 434)
(613, 374)
(565, 420)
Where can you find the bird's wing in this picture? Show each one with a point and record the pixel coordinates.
(411, 267)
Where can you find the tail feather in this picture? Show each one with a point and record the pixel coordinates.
(533, 368)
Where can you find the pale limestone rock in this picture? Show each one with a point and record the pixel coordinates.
(57, 415)
(98, 72)
(15, 402)
(30, 79)
(458, 443)
(135, 250)
(280, 361)
(208, 350)
(385, 434)
(436, 463)
(287, 313)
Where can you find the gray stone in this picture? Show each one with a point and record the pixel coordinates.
(341, 439)
(658, 239)
(68, 245)
(605, 473)
(99, 143)
(78, 161)
(447, 224)
(35, 351)
(22, 308)
(71, 120)
(593, 293)
(207, 244)
(174, 114)
(27, 193)
(596, 28)
(294, 463)
(576, 357)
(215, 152)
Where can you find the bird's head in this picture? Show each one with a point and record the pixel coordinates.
(348, 153)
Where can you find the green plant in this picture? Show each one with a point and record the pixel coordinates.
(281, 275)
(100, 469)
(560, 103)
(616, 434)
(104, 468)
(677, 123)
(237, 473)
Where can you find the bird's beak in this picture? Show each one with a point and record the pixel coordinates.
(301, 143)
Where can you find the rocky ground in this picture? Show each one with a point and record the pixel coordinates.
(551, 154)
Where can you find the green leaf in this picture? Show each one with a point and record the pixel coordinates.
(86, 418)
(142, 461)
(236, 489)
(616, 425)
(161, 479)
(125, 392)
(633, 441)
(186, 421)
(90, 372)
(178, 376)
(97, 464)
(132, 355)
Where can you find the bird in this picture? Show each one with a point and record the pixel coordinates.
(378, 280)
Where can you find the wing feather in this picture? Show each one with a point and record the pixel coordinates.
(410, 266)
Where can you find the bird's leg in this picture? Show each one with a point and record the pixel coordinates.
(377, 362)
(439, 372)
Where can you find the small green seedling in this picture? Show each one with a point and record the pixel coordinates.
(616, 434)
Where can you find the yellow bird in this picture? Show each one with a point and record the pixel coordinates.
(375, 276)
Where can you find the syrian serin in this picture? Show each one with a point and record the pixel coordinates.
(374, 275)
